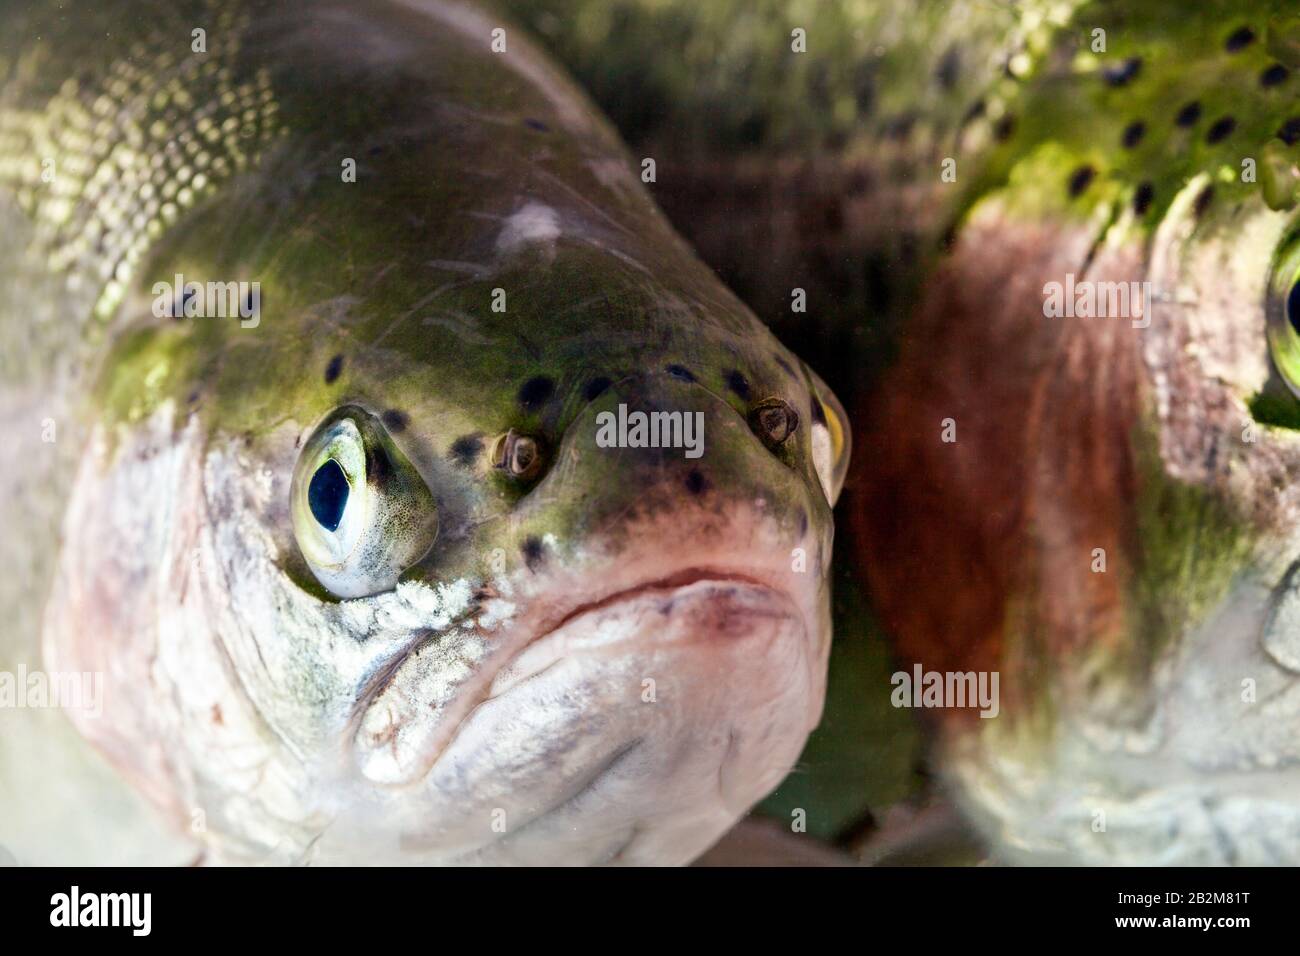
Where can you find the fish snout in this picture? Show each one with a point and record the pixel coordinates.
(662, 443)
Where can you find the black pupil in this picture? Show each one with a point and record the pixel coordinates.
(1293, 307)
(327, 495)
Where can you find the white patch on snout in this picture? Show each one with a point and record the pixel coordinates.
(534, 224)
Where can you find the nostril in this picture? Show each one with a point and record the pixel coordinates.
(680, 372)
(774, 420)
(518, 455)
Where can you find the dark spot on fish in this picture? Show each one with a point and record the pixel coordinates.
(780, 360)
(864, 87)
(534, 392)
(1189, 114)
(1221, 130)
(1143, 198)
(533, 551)
(376, 150)
(975, 112)
(1239, 40)
(395, 420)
(949, 68)
(1275, 75)
(333, 369)
(596, 388)
(803, 522)
(1133, 134)
(752, 130)
(1121, 74)
(1203, 201)
(1080, 180)
(819, 85)
(1004, 128)
(217, 717)
(696, 482)
(899, 128)
(1290, 131)
(738, 384)
(537, 125)
(466, 449)
(680, 372)
(193, 397)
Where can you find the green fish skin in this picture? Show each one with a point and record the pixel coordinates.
(1106, 506)
(1113, 529)
(357, 569)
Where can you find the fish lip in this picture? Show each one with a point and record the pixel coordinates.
(675, 581)
(479, 690)
(672, 582)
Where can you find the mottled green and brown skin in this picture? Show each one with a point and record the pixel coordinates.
(609, 657)
(1149, 704)
(1149, 710)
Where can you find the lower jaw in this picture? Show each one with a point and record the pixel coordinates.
(639, 730)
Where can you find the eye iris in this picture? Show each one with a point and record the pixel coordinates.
(1293, 307)
(327, 495)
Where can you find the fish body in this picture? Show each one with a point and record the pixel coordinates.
(344, 315)
(1052, 248)
(1091, 432)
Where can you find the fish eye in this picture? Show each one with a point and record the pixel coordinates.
(1283, 313)
(361, 512)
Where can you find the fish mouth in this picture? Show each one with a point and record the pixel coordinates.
(400, 736)
(664, 592)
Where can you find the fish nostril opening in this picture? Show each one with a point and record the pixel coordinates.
(520, 456)
(680, 372)
(774, 420)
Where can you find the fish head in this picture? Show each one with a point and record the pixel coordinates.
(498, 531)
(628, 643)
(1095, 411)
